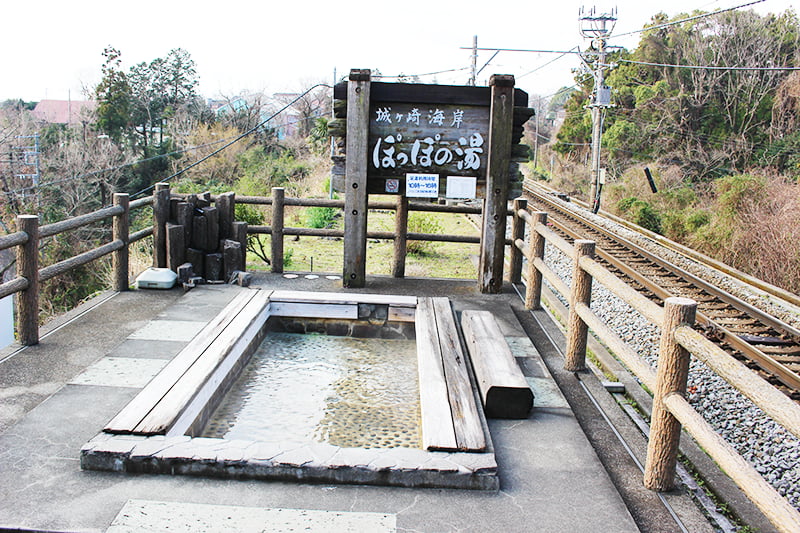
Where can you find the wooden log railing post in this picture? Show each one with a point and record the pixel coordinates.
(277, 229)
(580, 293)
(161, 210)
(120, 231)
(355, 197)
(673, 371)
(517, 232)
(493, 230)
(28, 268)
(401, 237)
(533, 292)
(225, 207)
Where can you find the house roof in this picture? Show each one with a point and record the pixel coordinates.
(63, 111)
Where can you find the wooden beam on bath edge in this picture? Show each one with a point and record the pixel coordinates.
(504, 390)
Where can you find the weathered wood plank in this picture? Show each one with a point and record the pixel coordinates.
(504, 390)
(133, 413)
(355, 200)
(466, 420)
(314, 310)
(172, 404)
(438, 432)
(343, 298)
(401, 314)
(493, 230)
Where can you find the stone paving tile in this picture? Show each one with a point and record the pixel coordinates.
(120, 372)
(546, 394)
(148, 349)
(169, 330)
(151, 516)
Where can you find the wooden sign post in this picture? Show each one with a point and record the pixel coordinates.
(426, 142)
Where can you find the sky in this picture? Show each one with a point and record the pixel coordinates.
(52, 49)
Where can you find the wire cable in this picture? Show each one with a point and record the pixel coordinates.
(673, 23)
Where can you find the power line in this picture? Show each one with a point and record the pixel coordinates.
(541, 66)
(235, 140)
(673, 23)
(708, 67)
(524, 50)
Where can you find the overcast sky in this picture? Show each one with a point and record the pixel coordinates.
(52, 48)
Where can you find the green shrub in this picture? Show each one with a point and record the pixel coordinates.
(642, 213)
(422, 223)
(321, 217)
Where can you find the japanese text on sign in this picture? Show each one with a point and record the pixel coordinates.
(422, 185)
(418, 138)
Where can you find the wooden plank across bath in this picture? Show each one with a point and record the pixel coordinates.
(438, 432)
(466, 420)
(314, 310)
(343, 298)
(504, 390)
(127, 419)
(165, 412)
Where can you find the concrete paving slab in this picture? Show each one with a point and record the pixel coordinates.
(148, 349)
(168, 330)
(150, 516)
(120, 372)
(550, 476)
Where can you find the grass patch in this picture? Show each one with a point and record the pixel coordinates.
(445, 260)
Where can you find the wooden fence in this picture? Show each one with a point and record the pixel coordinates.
(29, 234)
(27, 240)
(678, 342)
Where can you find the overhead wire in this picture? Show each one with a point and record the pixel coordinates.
(688, 19)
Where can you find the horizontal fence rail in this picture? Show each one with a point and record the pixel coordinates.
(671, 410)
(30, 275)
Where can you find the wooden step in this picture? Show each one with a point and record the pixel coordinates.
(504, 390)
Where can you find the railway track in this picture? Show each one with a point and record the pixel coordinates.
(765, 343)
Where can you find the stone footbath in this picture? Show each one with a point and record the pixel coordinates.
(185, 421)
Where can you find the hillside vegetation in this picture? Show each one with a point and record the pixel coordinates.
(723, 144)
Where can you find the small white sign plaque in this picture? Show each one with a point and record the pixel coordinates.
(422, 185)
(462, 187)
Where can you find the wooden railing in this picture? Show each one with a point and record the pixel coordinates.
(29, 234)
(679, 341)
(29, 274)
(278, 230)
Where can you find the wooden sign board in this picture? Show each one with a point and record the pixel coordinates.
(427, 129)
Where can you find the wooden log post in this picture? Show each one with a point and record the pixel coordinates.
(225, 206)
(580, 293)
(533, 292)
(28, 268)
(240, 235)
(517, 232)
(493, 233)
(355, 200)
(160, 216)
(185, 217)
(211, 215)
(401, 237)
(277, 229)
(673, 371)
(120, 231)
(176, 247)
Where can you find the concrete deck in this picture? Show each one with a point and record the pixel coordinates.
(56, 396)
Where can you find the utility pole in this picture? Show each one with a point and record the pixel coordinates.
(473, 78)
(597, 28)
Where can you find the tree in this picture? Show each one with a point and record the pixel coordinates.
(113, 95)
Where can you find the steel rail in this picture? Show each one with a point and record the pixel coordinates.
(761, 359)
